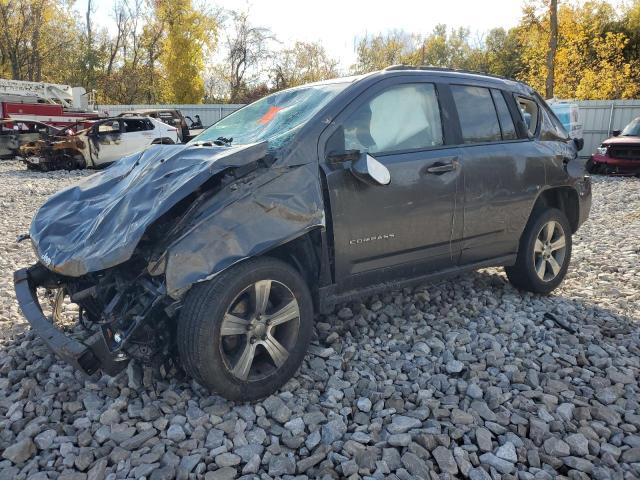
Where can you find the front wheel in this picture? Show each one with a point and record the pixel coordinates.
(544, 252)
(244, 333)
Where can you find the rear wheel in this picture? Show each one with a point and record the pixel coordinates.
(544, 252)
(245, 333)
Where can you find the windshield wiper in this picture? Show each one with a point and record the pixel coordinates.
(223, 141)
(220, 142)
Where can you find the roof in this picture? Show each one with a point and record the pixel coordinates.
(455, 73)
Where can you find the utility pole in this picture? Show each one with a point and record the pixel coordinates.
(553, 46)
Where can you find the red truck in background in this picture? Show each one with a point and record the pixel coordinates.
(25, 106)
(619, 154)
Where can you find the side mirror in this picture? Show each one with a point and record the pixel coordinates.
(579, 143)
(370, 170)
(616, 133)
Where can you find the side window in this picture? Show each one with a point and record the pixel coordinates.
(550, 127)
(478, 118)
(529, 111)
(136, 125)
(109, 127)
(403, 117)
(506, 122)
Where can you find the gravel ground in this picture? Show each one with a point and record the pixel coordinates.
(464, 378)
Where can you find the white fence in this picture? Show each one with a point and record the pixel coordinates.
(599, 117)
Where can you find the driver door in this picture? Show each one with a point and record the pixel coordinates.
(409, 227)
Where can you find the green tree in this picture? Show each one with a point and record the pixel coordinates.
(502, 52)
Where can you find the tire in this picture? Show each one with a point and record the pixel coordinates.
(524, 275)
(232, 299)
(590, 166)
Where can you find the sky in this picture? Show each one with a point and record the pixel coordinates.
(336, 23)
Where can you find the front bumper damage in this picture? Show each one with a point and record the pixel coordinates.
(89, 355)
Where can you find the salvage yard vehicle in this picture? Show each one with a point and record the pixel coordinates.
(220, 252)
(171, 117)
(569, 115)
(619, 154)
(98, 146)
(15, 133)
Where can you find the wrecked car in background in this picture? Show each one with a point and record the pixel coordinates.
(97, 146)
(15, 133)
(169, 116)
(220, 252)
(619, 154)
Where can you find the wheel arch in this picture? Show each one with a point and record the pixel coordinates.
(564, 199)
(305, 254)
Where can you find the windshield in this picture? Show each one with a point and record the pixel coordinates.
(274, 118)
(633, 129)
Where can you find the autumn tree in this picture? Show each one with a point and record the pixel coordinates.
(376, 52)
(190, 33)
(37, 39)
(590, 59)
(304, 62)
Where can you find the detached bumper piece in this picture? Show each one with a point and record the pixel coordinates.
(88, 356)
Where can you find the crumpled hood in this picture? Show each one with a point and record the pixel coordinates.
(98, 223)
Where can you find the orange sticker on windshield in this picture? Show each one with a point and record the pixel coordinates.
(270, 115)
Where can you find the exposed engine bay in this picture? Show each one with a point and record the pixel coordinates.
(127, 244)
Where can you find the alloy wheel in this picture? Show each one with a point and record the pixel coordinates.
(259, 330)
(549, 251)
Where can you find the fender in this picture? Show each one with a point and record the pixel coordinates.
(242, 221)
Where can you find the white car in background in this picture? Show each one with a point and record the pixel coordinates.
(99, 145)
(110, 140)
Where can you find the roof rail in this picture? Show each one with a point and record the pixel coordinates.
(442, 69)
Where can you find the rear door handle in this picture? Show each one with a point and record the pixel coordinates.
(443, 167)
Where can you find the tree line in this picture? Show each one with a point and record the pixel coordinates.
(160, 51)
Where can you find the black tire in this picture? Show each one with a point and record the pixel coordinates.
(590, 166)
(523, 275)
(203, 349)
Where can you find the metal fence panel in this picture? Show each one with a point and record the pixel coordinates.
(599, 117)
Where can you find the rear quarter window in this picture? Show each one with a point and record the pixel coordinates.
(530, 113)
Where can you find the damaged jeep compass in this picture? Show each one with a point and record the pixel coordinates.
(220, 252)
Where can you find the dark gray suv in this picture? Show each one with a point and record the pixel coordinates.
(220, 252)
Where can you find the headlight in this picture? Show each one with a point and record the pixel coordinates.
(602, 150)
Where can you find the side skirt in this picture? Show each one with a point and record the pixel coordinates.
(329, 297)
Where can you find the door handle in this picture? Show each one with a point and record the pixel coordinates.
(442, 167)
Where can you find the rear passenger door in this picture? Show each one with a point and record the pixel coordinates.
(502, 170)
(137, 135)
